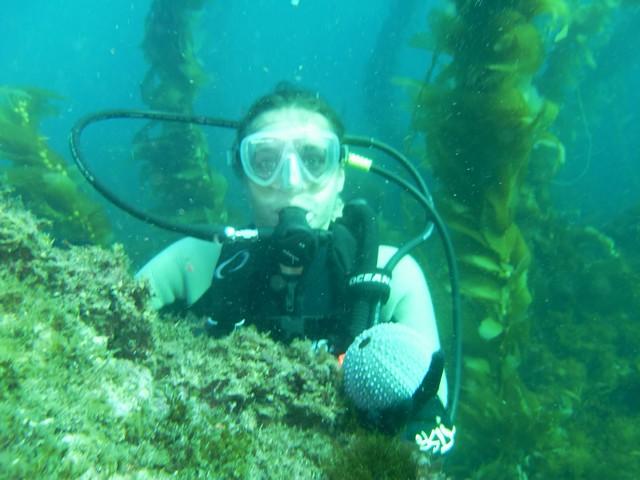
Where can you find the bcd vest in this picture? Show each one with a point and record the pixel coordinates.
(249, 287)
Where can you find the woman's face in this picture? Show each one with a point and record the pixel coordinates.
(290, 188)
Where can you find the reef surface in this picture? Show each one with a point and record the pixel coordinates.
(95, 384)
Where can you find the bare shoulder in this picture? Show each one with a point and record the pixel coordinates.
(409, 301)
(406, 266)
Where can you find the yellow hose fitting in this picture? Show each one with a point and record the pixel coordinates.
(358, 161)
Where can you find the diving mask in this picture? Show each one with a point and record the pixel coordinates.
(293, 155)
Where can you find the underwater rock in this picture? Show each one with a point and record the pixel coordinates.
(92, 282)
(94, 384)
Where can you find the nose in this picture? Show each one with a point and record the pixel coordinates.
(291, 176)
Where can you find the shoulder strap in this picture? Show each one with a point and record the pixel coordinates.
(365, 284)
(360, 219)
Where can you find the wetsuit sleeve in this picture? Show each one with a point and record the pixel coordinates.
(410, 303)
(181, 272)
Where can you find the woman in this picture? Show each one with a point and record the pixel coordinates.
(289, 152)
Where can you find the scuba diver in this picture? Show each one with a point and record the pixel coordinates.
(320, 272)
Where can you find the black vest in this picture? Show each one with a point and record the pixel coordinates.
(248, 286)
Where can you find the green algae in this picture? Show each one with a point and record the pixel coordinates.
(584, 317)
(39, 174)
(95, 384)
(373, 456)
(175, 157)
(558, 381)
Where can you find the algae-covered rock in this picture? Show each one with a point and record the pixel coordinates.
(89, 282)
(93, 384)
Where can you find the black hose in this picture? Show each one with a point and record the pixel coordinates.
(204, 232)
(368, 142)
(453, 277)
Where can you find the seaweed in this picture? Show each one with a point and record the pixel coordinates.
(532, 345)
(585, 361)
(579, 74)
(39, 174)
(373, 456)
(175, 157)
(567, 61)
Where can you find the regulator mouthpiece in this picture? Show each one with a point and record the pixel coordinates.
(294, 240)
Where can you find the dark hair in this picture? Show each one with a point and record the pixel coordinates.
(286, 95)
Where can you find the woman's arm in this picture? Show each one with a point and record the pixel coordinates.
(410, 303)
(182, 271)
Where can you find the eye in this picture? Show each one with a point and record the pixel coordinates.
(265, 159)
(314, 158)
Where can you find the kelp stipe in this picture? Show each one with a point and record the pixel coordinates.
(41, 176)
(175, 157)
(528, 407)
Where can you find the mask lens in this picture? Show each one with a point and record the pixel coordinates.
(263, 153)
(314, 158)
(265, 156)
